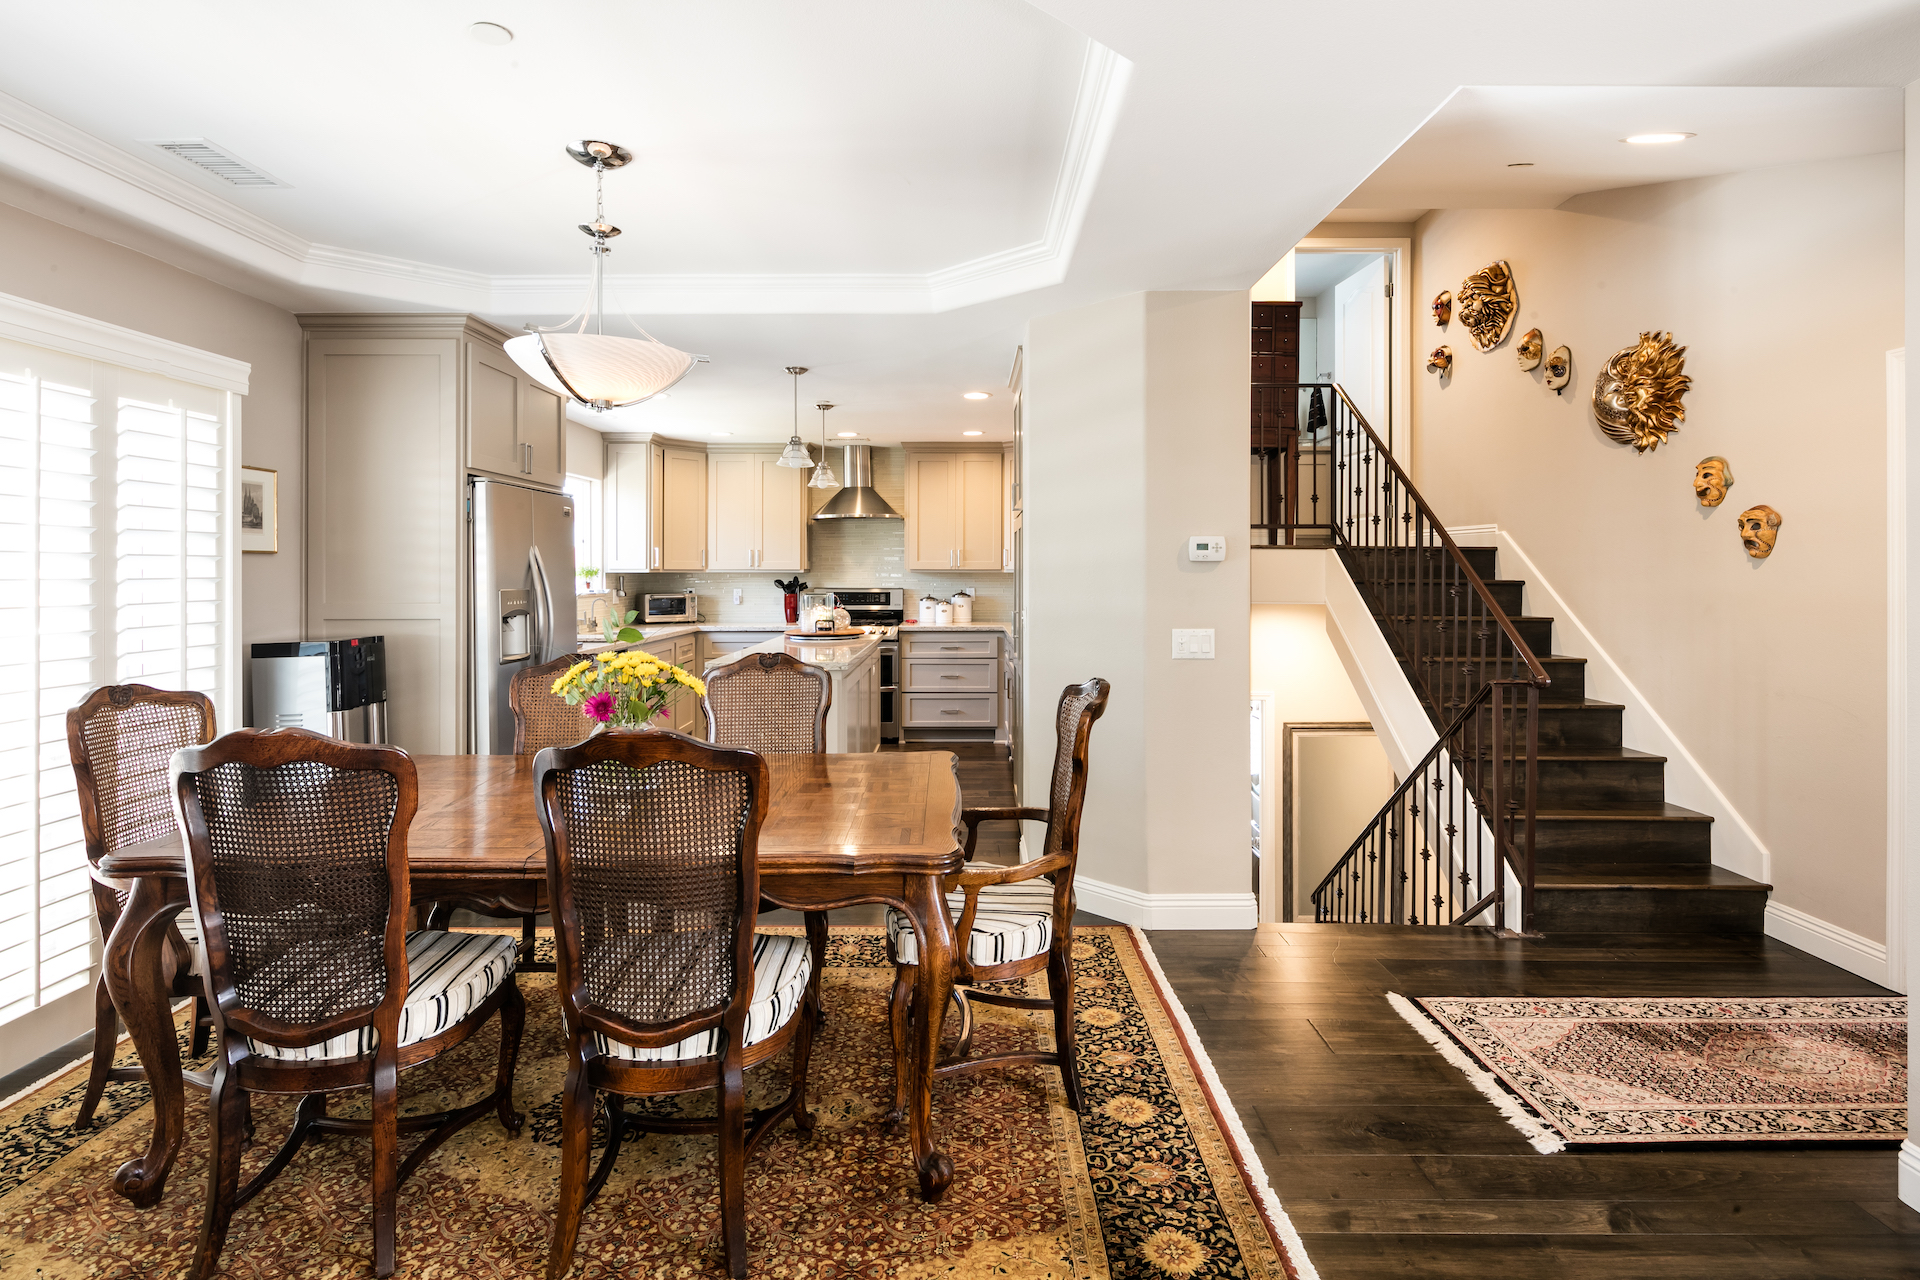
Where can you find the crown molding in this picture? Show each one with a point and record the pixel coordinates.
(70, 333)
(54, 154)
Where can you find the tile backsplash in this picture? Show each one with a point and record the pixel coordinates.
(842, 553)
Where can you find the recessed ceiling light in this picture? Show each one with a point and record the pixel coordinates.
(970, 433)
(490, 33)
(975, 395)
(661, 395)
(1654, 139)
(848, 435)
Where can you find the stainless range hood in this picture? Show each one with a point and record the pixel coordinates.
(857, 501)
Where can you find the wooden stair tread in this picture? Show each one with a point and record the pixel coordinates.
(1596, 753)
(1631, 875)
(1664, 813)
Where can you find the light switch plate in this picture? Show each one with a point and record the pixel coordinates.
(1192, 644)
(736, 595)
(1207, 546)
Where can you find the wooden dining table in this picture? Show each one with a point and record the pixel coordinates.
(841, 830)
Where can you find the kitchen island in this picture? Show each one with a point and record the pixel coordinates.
(853, 715)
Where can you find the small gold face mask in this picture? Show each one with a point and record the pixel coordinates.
(1712, 477)
(1759, 530)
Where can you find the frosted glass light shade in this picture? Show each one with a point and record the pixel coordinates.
(823, 475)
(794, 455)
(599, 370)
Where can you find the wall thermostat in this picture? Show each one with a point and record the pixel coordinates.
(1207, 546)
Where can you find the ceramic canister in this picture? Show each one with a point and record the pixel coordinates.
(962, 608)
(943, 614)
(928, 605)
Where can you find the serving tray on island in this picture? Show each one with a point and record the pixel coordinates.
(799, 634)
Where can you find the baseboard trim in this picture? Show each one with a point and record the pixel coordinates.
(1829, 942)
(1910, 1174)
(1166, 910)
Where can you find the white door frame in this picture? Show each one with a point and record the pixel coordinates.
(1399, 252)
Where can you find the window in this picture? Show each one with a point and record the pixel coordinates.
(585, 492)
(115, 565)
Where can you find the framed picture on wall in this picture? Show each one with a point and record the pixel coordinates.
(259, 509)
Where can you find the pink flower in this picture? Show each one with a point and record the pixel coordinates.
(599, 707)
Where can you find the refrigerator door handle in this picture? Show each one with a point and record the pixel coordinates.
(543, 645)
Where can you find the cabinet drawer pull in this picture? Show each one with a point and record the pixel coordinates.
(950, 648)
(951, 712)
(953, 677)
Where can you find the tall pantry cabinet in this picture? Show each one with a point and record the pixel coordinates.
(400, 410)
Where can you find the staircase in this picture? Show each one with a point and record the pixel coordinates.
(1530, 785)
(1610, 854)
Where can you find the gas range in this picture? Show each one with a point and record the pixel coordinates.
(882, 610)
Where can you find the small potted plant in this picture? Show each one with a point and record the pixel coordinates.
(793, 587)
(587, 574)
(626, 690)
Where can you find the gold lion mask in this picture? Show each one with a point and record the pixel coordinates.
(1637, 395)
(1488, 301)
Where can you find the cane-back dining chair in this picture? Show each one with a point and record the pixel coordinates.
(665, 988)
(297, 870)
(769, 702)
(541, 719)
(1011, 921)
(121, 739)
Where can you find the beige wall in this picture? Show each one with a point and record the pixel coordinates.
(1784, 285)
(60, 267)
(1135, 420)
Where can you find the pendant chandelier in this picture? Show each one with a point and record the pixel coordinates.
(599, 370)
(795, 454)
(823, 474)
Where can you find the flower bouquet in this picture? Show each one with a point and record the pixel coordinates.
(624, 690)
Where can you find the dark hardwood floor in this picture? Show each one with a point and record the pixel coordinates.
(1390, 1163)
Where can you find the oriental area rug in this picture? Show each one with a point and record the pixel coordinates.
(1155, 1180)
(1679, 1070)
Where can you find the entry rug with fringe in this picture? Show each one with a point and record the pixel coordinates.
(1154, 1181)
(1591, 1071)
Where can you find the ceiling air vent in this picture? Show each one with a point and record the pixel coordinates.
(218, 161)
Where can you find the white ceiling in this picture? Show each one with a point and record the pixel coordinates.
(1315, 273)
(885, 192)
(1573, 140)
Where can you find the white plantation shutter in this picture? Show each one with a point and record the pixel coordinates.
(115, 565)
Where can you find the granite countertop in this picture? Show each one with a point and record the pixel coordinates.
(844, 656)
(907, 629)
(593, 642)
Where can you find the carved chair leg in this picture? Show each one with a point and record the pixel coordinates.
(812, 1013)
(576, 1144)
(439, 916)
(526, 940)
(817, 941)
(513, 1023)
(964, 1046)
(1060, 990)
(223, 1172)
(106, 1028)
(386, 1161)
(202, 1024)
(900, 1022)
(733, 1164)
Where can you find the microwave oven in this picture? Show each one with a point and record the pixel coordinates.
(681, 606)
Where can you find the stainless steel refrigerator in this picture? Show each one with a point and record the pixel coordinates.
(523, 611)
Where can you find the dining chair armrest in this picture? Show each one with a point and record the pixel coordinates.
(972, 882)
(974, 879)
(974, 817)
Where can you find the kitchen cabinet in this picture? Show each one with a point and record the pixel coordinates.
(1009, 507)
(685, 704)
(516, 428)
(756, 511)
(950, 684)
(655, 501)
(683, 508)
(956, 501)
(399, 410)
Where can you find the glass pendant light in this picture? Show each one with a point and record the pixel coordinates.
(823, 474)
(795, 454)
(599, 370)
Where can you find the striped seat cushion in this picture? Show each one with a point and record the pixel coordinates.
(449, 975)
(1014, 922)
(781, 966)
